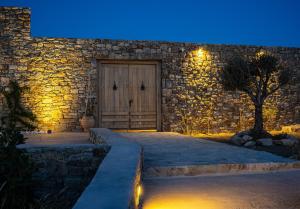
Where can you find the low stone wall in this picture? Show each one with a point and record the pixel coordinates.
(117, 182)
(64, 169)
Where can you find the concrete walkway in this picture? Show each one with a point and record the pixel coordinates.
(58, 138)
(280, 190)
(172, 149)
(172, 154)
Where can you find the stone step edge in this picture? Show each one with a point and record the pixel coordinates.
(198, 170)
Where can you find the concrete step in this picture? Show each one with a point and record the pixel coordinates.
(213, 169)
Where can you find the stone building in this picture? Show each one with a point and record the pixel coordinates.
(134, 84)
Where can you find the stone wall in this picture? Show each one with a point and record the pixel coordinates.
(57, 71)
(62, 172)
(14, 35)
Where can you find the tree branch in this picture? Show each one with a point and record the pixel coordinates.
(250, 93)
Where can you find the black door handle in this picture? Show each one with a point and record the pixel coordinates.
(130, 102)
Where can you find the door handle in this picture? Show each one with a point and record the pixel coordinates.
(143, 86)
(130, 102)
(115, 86)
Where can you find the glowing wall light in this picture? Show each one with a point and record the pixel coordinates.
(261, 53)
(200, 53)
(138, 194)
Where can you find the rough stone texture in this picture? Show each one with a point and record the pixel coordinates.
(64, 166)
(265, 141)
(57, 69)
(292, 128)
(250, 144)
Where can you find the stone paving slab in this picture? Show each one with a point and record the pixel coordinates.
(275, 190)
(173, 149)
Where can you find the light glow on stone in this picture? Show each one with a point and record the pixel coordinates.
(200, 53)
(261, 53)
(54, 85)
(174, 200)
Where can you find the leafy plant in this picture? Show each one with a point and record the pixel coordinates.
(15, 167)
(259, 77)
(16, 116)
(10, 137)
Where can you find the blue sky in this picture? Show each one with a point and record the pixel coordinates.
(251, 22)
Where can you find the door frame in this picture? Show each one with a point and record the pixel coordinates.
(157, 64)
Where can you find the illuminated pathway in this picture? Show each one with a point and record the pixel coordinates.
(280, 190)
(163, 149)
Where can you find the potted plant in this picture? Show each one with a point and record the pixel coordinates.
(87, 121)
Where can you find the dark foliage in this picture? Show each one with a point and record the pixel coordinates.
(16, 117)
(10, 137)
(258, 77)
(15, 179)
(15, 167)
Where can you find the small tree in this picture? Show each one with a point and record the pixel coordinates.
(258, 77)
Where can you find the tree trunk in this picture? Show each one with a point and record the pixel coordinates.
(258, 126)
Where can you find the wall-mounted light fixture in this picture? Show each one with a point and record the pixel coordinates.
(200, 53)
(261, 53)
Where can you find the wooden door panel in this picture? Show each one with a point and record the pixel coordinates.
(115, 108)
(142, 91)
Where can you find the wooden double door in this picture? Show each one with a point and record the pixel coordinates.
(128, 96)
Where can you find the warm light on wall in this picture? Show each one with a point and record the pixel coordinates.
(47, 103)
(181, 201)
(200, 62)
(53, 87)
(195, 104)
(260, 53)
(200, 53)
(139, 191)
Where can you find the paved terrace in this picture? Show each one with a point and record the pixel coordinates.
(165, 149)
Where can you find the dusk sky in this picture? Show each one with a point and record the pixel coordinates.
(250, 22)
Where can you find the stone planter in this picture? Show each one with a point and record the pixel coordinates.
(87, 122)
